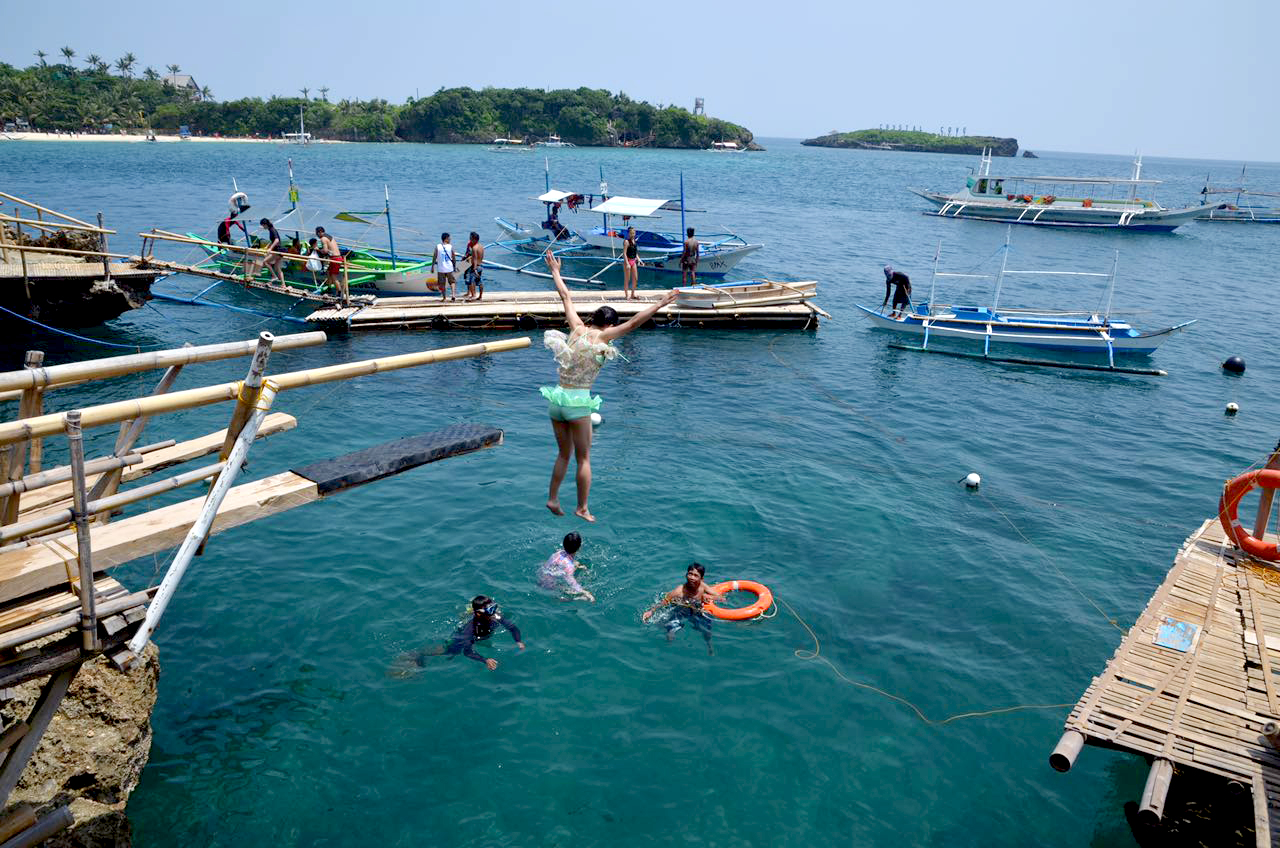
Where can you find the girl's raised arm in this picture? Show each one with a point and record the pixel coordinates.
(570, 314)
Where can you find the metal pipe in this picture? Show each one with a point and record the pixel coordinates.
(57, 821)
(1068, 748)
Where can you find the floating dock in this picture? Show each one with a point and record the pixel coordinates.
(507, 310)
(1194, 684)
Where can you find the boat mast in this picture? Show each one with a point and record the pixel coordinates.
(1137, 174)
(302, 127)
(933, 280)
(293, 200)
(1004, 261)
(682, 226)
(546, 172)
(1111, 287)
(391, 236)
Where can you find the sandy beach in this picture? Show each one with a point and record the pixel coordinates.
(46, 136)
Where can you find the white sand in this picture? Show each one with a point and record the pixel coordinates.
(44, 136)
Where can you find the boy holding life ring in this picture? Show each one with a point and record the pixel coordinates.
(688, 599)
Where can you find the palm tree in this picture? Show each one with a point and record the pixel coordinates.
(151, 74)
(69, 54)
(40, 54)
(102, 66)
(92, 60)
(305, 92)
(174, 70)
(205, 93)
(324, 93)
(125, 64)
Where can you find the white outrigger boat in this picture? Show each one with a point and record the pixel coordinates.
(1035, 328)
(553, 141)
(726, 147)
(510, 145)
(1060, 201)
(1241, 211)
(597, 250)
(749, 293)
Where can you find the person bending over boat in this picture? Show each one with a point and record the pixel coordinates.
(560, 567)
(689, 260)
(579, 357)
(485, 619)
(630, 265)
(688, 598)
(900, 283)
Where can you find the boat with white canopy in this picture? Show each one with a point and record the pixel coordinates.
(1241, 210)
(1100, 202)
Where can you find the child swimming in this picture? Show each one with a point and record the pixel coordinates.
(560, 567)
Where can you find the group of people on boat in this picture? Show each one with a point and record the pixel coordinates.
(322, 253)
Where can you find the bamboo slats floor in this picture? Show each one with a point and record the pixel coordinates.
(1204, 707)
(506, 310)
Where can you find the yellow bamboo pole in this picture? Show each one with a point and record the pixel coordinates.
(110, 413)
(165, 235)
(39, 208)
(35, 248)
(43, 226)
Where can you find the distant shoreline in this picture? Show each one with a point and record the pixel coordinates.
(47, 136)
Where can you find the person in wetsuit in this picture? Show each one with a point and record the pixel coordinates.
(225, 226)
(687, 599)
(485, 619)
(900, 283)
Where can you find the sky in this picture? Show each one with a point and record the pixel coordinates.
(1178, 78)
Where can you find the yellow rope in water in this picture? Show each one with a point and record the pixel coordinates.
(816, 654)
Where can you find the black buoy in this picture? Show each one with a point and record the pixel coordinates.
(1234, 365)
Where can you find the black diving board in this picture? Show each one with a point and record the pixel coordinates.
(1040, 363)
(365, 466)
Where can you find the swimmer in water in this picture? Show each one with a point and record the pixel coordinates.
(561, 567)
(688, 598)
(485, 619)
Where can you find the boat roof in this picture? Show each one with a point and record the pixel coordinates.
(1091, 180)
(631, 207)
(555, 195)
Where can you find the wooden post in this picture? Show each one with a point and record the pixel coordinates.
(19, 820)
(1156, 791)
(204, 522)
(1265, 498)
(18, 452)
(102, 245)
(1069, 746)
(50, 697)
(79, 511)
(22, 254)
(4, 240)
(55, 822)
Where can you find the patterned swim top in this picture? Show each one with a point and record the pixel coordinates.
(578, 358)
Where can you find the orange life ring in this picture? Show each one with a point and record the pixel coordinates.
(1229, 505)
(763, 601)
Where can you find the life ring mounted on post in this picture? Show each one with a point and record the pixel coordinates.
(761, 605)
(1229, 508)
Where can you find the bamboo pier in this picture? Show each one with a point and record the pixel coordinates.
(1194, 683)
(62, 528)
(508, 310)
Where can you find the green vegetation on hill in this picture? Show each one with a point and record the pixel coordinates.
(92, 99)
(921, 142)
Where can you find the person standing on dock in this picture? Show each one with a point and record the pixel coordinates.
(579, 357)
(689, 260)
(688, 599)
(329, 250)
(473, 276)
(446, 275)
(630, 265)
(900, 283)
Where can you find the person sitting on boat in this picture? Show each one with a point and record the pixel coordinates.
(560, 567)
(579, 357)
(485, 619)
(900, 284)
(689, 260)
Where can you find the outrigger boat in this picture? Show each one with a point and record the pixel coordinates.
(510, 145)
(749, 293)
(1060, 201)
(553, 141)
(1241, 211)
(726, 147)
(595, 251)
(1034, 328)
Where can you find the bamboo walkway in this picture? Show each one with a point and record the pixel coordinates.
(1194, 683)
(532, 310)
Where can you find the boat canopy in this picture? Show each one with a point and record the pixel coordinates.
(1086, 180)
(631, 207)
(554, 196)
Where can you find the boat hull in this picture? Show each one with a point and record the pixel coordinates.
(753, 293)
(367, 273)
(1043, 335)
(1060, 213)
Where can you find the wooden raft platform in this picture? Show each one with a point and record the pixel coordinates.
(1204, 707)
(73, 270)
(506, 310)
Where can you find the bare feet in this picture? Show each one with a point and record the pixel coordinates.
(554, 506)
(582, 513)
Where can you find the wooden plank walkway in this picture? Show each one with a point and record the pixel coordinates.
(506, 310)
(1205, 707)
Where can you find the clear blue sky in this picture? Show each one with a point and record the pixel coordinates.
(1191, 78)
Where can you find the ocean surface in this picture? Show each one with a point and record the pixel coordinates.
(823, 464)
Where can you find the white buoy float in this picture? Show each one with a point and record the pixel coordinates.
(972, 480)
(1233, 408)
(596, 419)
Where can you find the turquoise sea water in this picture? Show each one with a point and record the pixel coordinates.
(821, 464)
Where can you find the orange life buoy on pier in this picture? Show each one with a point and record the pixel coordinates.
(1229, 506)
(763, 601)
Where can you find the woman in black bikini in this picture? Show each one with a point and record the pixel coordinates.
(630, 265)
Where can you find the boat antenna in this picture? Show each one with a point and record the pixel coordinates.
(293, 198)
(1137, 173)
(933, 281)
(682, 226)
(546, 171)
(1111, 286)
(391, 236)
(1004, 261)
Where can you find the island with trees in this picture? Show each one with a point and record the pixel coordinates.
(917, 142)
(94, 95)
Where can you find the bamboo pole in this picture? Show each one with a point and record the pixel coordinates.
(88, 614)
(4, 241)
(63, 474)
(56, 822)
(115, 366)
(204, 522)
(102, 245)
(22, 257)
(32, 248)
(165, 235)
(39, 208)
(19, 636)
(1068, 748)
(22, 818)
(54, 227)
(110, 413)
(1151, 808)
(18, 453)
